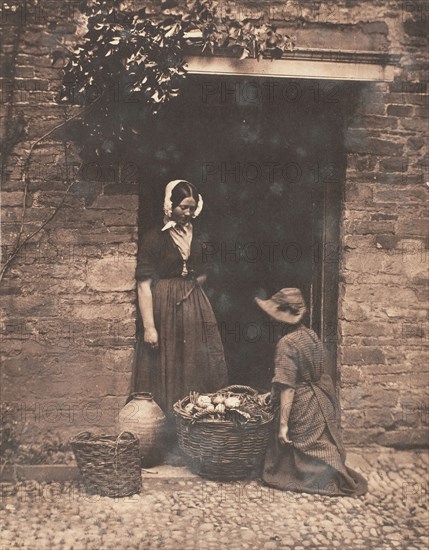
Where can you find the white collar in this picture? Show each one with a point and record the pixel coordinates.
(171, 224)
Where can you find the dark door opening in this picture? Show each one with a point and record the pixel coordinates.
(268, 158)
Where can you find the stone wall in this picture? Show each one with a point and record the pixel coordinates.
(68, 299)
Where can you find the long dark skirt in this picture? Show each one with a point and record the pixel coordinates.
(190, 355)
(315, 462)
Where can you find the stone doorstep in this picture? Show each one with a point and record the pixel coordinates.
(62, 473)
(360, 459)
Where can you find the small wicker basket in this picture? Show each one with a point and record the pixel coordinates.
(223, 449)
(109, 464)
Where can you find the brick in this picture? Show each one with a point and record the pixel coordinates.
(398, 178)
(359, 142)
(351, 311)
(106, 202)
(370, 227)
(382, 417)
(85, 236)
(375, 329)
(31, 305)
(25, 72)
(404, 439)
(417, 227)
(380, 217)
(362, 194)
(399, 110)
(373, 370)
(406, 98)
(362, 355)
(105, 311)
(408, 87)
(375, 122)
(350, 375)
(405, 195)
(416, 124)
(121, 189)
(358, 437)
(375, 27)
(394, 164)
(416, 28)
(371, 108)
(421, 111)
(13, 199)
(416, 143)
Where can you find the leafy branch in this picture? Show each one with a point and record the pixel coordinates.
(130, 56)
(127, 55)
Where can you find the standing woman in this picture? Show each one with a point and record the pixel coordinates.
(305, 453)
(181, 348)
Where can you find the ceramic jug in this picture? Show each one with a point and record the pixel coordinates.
(145, 419)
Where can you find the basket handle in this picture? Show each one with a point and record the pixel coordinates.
(239, 389)
(80, 436)
(142, 394)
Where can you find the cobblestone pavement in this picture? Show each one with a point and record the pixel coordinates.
(196, 514)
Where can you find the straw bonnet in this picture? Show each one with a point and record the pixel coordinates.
(277, 306)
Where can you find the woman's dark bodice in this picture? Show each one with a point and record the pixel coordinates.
(158, 257)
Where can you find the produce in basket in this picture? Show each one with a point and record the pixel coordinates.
(227, 406)
(232, 402)
(204, 401)
(228, 443)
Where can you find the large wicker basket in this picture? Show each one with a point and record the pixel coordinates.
(109, 464)
(223, 449)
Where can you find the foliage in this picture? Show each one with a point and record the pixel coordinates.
(131, 57)
(9, 440)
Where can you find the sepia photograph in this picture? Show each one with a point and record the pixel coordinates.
(214, 274)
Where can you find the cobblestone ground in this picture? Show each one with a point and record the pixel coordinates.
(196, 514)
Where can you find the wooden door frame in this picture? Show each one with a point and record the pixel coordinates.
(345, 66)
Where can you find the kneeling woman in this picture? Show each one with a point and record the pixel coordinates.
(181, 348)
(306, 452)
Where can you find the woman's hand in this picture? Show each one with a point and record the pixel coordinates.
(201, 279)
(283, 435)
(151, 337)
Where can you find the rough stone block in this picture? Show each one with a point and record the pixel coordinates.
(405, 194)
(379, 417)
(359, 437)
(359, 193)
(394, 164)
(362, 143)
(350, 375)
(370, 227)
(103, 311)
(109, 274)
(415, 124)
(126, 202)
(362, 355)
(399, 110)
(404, 439)
(375, 122)
(351, 311)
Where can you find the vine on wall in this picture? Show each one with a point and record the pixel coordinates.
(132, 53)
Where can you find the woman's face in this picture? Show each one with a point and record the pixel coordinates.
(184, 211)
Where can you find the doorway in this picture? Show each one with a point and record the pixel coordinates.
(268, 158)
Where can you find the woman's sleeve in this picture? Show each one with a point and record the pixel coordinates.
(285, 364)
(147, 257)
